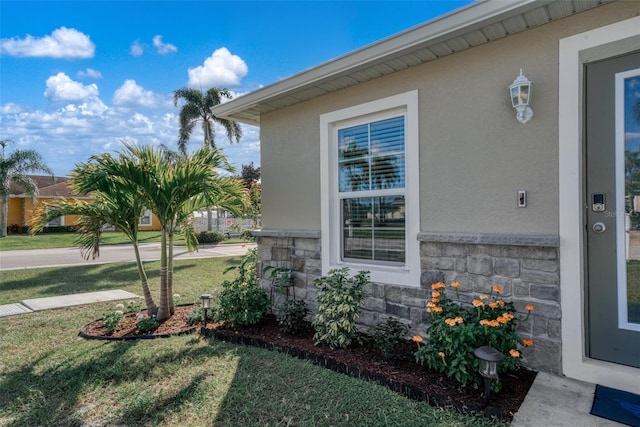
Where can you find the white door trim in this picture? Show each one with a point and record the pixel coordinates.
(574, 52)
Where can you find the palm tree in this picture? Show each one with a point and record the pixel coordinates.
(173, 191)
(198, 107)
(15, 168)
(114, 203)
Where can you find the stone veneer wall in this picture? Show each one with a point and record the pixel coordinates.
(527, 268)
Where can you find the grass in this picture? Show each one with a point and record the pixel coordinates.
(50, 377)
(67, 240)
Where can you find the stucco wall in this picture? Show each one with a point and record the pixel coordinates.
(474, 155)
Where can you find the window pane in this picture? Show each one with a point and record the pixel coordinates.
(354, 175)
(353, 142)
(387, 172)
(387, 136)
(374, 228)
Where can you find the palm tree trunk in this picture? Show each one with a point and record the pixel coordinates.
(170, 273)
(209, 219)
(163, 310)
(152, 309)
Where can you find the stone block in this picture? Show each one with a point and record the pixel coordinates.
(454, 250)
(554, 330)
(279, 253)
(508, 267)
(297, 264)
(482, 265)
(307, 244)
(414, 302)
(530, 252)
(394, 295)
(429, 277)
(432, 249)
(378, 290)
(545, 292)
(461, 265)
(550, 266)
(375, 304)
(545, 356)
(539, 276)
(421, 293)
(520, 289)
(547, 310)
(397, 310)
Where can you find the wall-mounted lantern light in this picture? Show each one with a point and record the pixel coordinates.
(520, 91)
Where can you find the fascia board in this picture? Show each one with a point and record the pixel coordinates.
(476, 15)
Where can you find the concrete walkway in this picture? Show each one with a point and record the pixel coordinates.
(48, 303)
(555, 401)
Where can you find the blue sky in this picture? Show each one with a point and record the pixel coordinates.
(79, 77)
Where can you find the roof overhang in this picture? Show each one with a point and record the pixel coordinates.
(478, 23)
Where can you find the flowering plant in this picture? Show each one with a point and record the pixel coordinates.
(455, 332)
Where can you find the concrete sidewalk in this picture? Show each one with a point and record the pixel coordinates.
(555, 401)
(38, 304)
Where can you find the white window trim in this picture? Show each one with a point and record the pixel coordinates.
(147, 214)
(406, 104)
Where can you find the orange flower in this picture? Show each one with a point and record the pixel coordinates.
(450, 322)
(502, 319)
(459, 319)
(455, 285)
(529, 307)
(435, 294)
(497, 289)
(435, 299)
(514, 353)
(527, 343)
(494, 323)
(477, 303)
(501, 303)
(437, 309)
(438, 285)
(484, 322)
(483, 296)
(417, 338)
(244, 284)
(441, 354)
(508, 316)
(493, 304)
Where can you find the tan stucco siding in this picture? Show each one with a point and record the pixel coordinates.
(474, 155)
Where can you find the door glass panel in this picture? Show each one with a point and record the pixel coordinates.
(628, 137)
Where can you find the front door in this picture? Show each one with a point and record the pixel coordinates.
(612, 234)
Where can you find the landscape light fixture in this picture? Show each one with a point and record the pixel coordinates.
(488, 358)
(206, 305)
(520, 92)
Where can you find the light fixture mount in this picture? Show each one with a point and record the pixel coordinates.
(520, 92)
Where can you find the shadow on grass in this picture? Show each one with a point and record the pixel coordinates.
(54, 396)
(91, 278)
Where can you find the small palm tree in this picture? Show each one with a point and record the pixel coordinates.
(198, 107)
(16, 168)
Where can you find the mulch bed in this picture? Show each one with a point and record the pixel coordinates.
(401, 374)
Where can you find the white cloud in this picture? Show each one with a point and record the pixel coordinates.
(89, 73)
(62, 43)
(220, 69)
(630, 136)
(61, 88)
(163, 48)
(137, 49)
(130, 94)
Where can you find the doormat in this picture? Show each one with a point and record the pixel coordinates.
(616, 405)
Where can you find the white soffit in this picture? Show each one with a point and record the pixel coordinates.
(476, 24)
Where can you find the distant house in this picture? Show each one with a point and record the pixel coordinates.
(405, 158)
(21, 208)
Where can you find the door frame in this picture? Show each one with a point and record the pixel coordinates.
(601, 43)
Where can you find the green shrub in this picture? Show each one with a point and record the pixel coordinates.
(455, 333)
(147, 325)
(291, 317)
(248, 235)
(339, 301)
(388, 334)
(242, 301)
(210, 237)
(112, 320)
(196, 314)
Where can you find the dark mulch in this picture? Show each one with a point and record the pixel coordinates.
(364, 360)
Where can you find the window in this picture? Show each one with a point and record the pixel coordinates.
(370, 189)
(145, 219)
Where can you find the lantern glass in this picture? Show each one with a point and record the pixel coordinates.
(206, 300)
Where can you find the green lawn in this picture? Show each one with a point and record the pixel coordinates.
(50, 377)
(66, 240)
